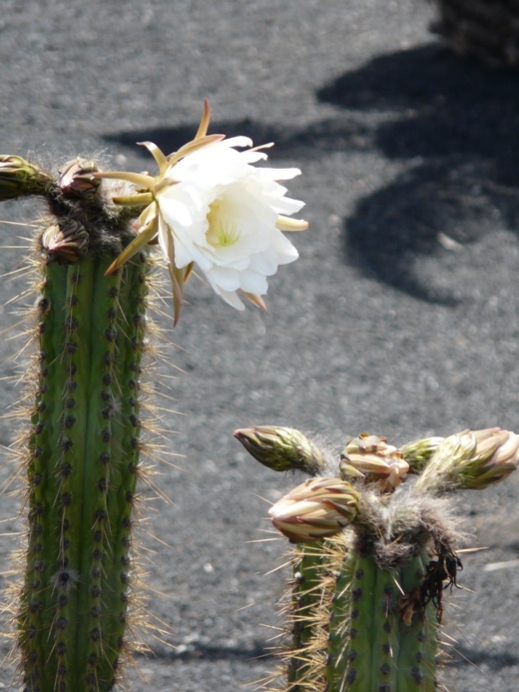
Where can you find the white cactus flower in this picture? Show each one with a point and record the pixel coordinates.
(211, 205)
(223, 214)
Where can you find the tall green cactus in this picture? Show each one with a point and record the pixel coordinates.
(208, 204)
(83, 447)
(375, 550)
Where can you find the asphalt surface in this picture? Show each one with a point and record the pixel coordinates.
(400, 317)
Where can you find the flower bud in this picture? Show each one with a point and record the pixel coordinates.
(496, 456)
(67, 240)
(76, 177)
(319, 508)
(19, 177)
(418, 453)
(281, 449)
(472, 460)
(371, 458)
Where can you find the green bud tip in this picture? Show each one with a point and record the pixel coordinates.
(19, 177)
(281, 449)
(319, 508)
(418, 453)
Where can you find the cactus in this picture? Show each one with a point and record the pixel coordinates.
(375, 549)
(84, 442)
(82, 451)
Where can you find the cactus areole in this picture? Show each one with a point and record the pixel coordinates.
(83, 445)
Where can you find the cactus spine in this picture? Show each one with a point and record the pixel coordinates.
(375, 550)
(84, 443)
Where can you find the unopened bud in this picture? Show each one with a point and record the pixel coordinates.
(19, 177)
(281, 449)
(471, 459)
(67, 240)
(418, 453)
(319, 508)
(370, 457)
(76, 177)
(496, 456)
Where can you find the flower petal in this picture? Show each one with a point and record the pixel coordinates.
(140, 180)
(239, 141)
(284, 223)
(133, 248)
(280, 173)
(158, 155)
(204, 122)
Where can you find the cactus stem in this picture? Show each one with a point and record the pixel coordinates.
(81, 456)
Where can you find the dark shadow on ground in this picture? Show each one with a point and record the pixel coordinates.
(454, 124)
(391, 228)
(461, 656)
(444, 107)
(214, 653)
(457, 126)
(326, 136)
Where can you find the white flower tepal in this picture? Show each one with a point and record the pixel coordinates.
(210, 205)
(222, 213)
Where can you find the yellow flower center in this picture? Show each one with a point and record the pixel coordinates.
(221, 232)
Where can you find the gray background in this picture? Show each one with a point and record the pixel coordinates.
(399, 318)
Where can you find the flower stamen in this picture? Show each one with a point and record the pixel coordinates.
(221, 233)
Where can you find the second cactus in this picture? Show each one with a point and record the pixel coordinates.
(376, 547)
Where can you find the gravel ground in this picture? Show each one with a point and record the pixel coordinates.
(399, 318)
